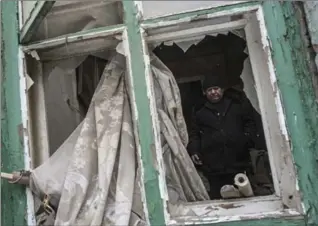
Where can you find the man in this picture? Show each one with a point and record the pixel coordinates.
(223, 130)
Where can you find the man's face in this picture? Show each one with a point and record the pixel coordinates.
(214, 94)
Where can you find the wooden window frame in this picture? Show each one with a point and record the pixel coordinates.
(264, 73)
(153, 186)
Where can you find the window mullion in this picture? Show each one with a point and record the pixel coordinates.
(145, 128)
(14, 209)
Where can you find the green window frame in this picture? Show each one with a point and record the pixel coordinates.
(290, 60)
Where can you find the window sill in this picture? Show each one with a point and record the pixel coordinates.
(230, 210)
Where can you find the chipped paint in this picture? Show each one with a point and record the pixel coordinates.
(139, 10)
(13, 197)
(159, 163)
(30, 215)
(266, 48)
(265, 219)
(292, 81)
(276, 164)
(230, 206)
(291, 60)
(236, 9)
(272, 76)
(136, 119)
(230, 210)
(144, 123)
(279, 107)
(280, 155)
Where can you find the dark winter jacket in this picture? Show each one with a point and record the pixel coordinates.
(222, 133)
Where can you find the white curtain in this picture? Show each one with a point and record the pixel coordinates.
(93, 178)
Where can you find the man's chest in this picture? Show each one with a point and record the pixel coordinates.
(220, 117)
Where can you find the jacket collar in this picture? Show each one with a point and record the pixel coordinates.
(221, 107)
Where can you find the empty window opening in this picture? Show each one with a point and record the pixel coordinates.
(226, 137)
(67, 87)
(68, 93)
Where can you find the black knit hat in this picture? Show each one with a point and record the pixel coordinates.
(216, 78)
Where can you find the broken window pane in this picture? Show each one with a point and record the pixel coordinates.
(226, 137)
(153, 9)
(73, 16)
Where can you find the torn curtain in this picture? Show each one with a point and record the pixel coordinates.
(93, 178)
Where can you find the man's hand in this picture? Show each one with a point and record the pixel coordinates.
(196, 160)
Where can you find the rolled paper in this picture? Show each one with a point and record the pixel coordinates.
(8, 176)
(243, 184)
(16, 178)
(229, 191)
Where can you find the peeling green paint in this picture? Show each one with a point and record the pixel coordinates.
(291, 60)
(13, 197)
(144, 123)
